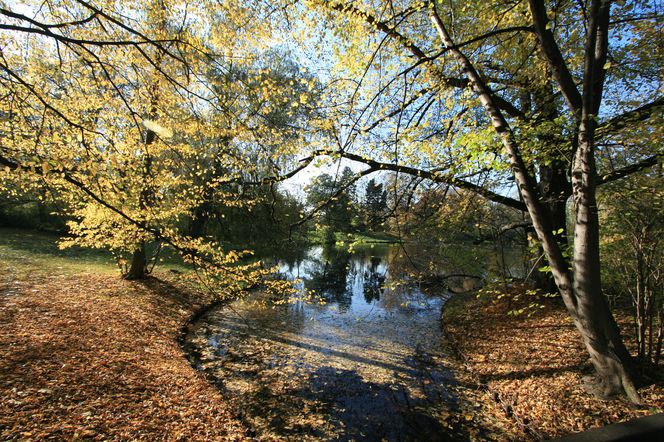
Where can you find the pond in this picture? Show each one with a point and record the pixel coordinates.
(369, 362)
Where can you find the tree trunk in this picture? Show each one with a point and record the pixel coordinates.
(601, 335)
(610, 358)
(138, 267)
(553, 183)
(553, 187)
(660, 336)
(581, 288)
(198, 220)
(201, 215)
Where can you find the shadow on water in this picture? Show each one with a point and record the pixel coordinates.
(374, 411)
(367, 364)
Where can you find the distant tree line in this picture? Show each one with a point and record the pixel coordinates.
(342, 207)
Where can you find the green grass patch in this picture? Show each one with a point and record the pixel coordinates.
(31, 251)
(37, 252)
(321, 237)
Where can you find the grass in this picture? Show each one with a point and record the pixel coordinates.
(31, 251)
(319, 237)
(38, 252)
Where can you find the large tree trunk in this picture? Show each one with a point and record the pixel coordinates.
(601, 336)
(580, 288)
(553, 183)
(138, 267)
(555, 190)
(611, 360)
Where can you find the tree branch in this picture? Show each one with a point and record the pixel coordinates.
(628, 170)
(338, 192)
(540, 216)
(555, 58)
(620, 122)
(436, 177)
(460, 83)
(503, 230)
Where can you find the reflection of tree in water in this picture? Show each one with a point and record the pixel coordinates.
(370, 273)
(373, 280)
(338, 275)
(329, 276)
(457, 267)
(291, 257)
(288, 258)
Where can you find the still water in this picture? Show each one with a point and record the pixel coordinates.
(367, 363)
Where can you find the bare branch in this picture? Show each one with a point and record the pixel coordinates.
(434, 176)
(503, 230)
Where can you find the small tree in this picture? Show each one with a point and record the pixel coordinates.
(114, 112)
(633, 253)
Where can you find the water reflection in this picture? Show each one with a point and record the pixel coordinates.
(368, 364)
(374, 279)
(357, 282)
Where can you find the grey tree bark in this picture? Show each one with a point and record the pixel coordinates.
(580, 288)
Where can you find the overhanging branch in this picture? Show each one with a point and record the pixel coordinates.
(628, 170)
(430, 175)
(622, 121)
